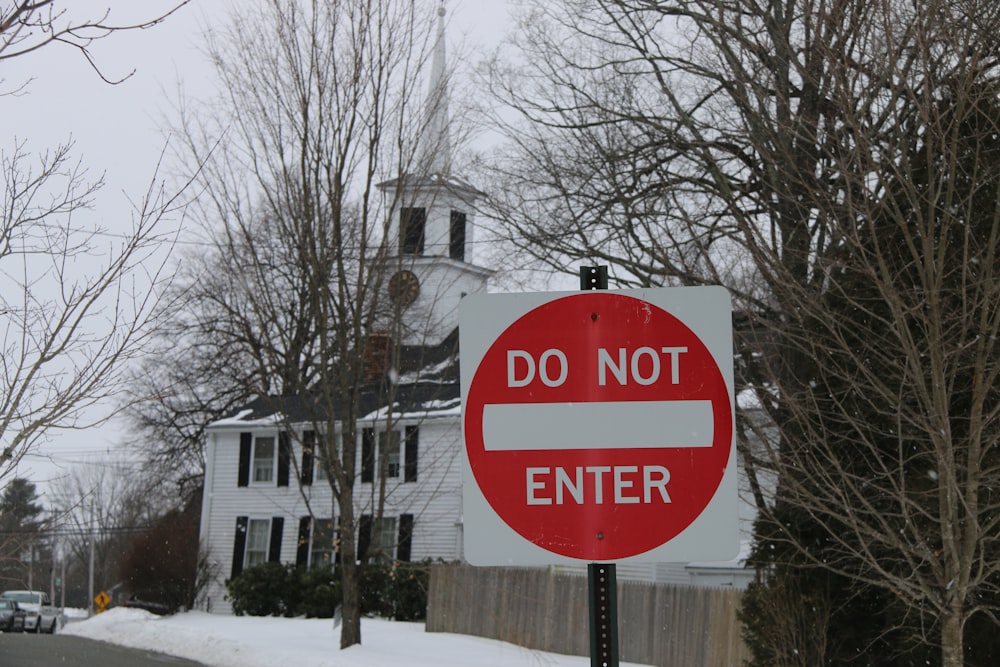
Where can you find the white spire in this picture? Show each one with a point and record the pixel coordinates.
(435, 151)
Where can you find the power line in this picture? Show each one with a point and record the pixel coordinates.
(76, 532)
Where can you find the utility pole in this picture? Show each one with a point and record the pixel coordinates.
(62, 581)
(90, 567)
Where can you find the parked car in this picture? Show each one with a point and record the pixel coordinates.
(11, 616)
(39, 614)
(50, 619)
(143, 602)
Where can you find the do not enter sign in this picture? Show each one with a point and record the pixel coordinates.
(598, 426)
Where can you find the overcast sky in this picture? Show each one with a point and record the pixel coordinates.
(119, 130)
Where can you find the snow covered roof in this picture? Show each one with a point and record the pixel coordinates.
(423, 400)
(458, 186)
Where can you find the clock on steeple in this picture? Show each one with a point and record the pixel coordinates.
(404, 288)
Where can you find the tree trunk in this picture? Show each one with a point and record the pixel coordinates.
(350, 629)
(952, 648)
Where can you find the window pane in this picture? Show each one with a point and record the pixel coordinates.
(322, 447)
(258, 537)
(389, 446)
(384, 538)
(321, 452)
(263, 459)
(321, 552)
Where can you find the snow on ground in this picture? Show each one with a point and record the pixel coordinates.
(245, 641)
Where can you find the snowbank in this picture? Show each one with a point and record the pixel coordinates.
(230, 641)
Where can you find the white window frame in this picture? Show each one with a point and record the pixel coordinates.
(257, 463)
(384, 537)
(319, 469)
(253, 554)
(330, 548)
(395, 451)
(392, 448)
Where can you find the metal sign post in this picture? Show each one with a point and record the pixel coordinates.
(602, 579)
(603, 596)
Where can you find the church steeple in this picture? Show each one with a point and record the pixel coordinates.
(435, 148)
(431, 223)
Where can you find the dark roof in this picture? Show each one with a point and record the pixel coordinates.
(426, 382)
(426, 362)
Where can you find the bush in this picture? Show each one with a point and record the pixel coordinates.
(273, 589)
(391, 590)
(261, 590)
(319, 591)
(410, 581)
(395, 590)
(373, 589)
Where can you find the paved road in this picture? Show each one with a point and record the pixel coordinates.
(28, 650)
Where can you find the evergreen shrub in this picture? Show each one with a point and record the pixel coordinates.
(395, 590)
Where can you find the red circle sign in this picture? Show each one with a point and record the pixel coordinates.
(598, 426)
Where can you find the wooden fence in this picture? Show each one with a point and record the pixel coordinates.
(662, 625)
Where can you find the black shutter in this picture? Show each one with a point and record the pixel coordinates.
(457, 237)
(308, 456)
(239, 545)
(277, 526)
(412, 223)
(367, 455)
(410, 454)
(405, 537)
(284, 457)
(302, 552)
(364, 536)
(246, 442)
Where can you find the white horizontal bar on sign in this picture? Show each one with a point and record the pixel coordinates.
(597, 425)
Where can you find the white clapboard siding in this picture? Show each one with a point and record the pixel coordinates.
(434, 499)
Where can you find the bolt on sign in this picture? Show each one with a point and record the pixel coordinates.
(598, 426)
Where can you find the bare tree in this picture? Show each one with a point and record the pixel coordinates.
(206, 358)
(832, 163)
(164, 564)
(320, 104)
(96, 512)
(66, 333)
(30, 25)
(901, 413)
(65, 330)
